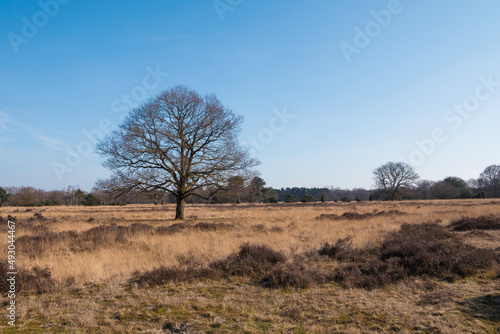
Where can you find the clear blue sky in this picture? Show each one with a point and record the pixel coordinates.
(65, 69)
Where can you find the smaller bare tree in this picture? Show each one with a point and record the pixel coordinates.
(490, 180)
(392, 177)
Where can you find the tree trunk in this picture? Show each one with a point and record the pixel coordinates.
(179, 210)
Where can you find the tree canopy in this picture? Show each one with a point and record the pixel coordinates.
(178, 142)
(394, 177)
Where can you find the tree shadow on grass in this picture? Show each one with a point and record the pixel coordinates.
(484, 307)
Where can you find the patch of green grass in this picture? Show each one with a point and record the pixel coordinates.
(343, 319)
(160, 309)
(299, 330)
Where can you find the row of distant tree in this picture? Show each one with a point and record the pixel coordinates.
(395, 181)
(30, 196)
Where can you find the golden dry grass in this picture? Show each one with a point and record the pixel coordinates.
(104, 302)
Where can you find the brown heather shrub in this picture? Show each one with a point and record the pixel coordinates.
(429, 250)
(34, 281)
(476, 223)
(106, 235)
(38, 244)
(4, 269)
(343, 251)
(165, 275)
(259, 228)
(95, 238)
(136, 228)
(98, 237)
(250, 261)
(33, 228)
(37, 217)
(205, 227)
(174, 228)
(475, 260)
(213, 226)
(424, 250)
(293, 275)
(361, 216)
(276, 229)
(33, 225)
(336, 251)
(369, 275)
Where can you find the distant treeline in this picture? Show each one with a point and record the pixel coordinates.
(252, 191)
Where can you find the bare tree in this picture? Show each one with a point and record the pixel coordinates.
(423, 189)
(70, 195)
(490, 180)
(178, 142)
(444, 190)
(474, 187)
(393, 177)
(25, 196)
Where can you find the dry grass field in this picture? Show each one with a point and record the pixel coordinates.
(90, 269)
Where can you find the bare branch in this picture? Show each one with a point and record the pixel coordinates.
(177, 142)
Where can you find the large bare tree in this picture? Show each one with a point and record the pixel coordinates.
(393, 177)
(178, 142)
(490, 180)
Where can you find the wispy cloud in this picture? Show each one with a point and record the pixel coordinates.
(53, 143)
(9, 124)
(2, 124)
(5, 120)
